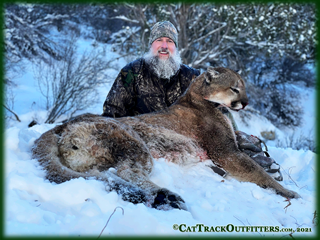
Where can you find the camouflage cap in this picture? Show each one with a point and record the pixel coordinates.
(163, 29)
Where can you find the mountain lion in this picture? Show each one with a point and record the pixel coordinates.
(121, 151)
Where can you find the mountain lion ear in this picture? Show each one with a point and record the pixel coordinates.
(210, 68)
(211, 73)
(238, 71)
(207, 78)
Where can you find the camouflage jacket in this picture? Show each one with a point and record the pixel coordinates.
(138, 90)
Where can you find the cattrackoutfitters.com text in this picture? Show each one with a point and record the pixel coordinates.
(232, 228)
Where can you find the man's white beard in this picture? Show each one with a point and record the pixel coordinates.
(163, 68)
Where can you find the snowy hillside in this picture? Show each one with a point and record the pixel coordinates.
(34, 206)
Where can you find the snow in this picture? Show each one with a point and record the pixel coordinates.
(36, 207)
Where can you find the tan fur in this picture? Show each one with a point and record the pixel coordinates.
(188, 130)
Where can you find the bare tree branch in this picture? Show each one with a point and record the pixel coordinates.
(70, 84)
(16, 116)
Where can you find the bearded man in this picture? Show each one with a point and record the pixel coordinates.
(153, 82)
(157, 80)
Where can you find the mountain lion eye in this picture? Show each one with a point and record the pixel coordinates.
(234, 90)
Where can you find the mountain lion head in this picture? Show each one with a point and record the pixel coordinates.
(225, 87)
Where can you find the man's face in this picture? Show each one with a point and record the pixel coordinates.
(162, 47)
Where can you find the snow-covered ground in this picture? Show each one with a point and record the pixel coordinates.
(34, 206)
